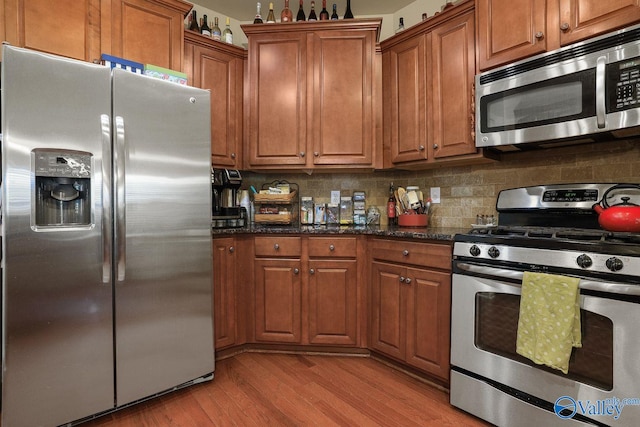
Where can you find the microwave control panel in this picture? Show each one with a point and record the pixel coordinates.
(623, 85)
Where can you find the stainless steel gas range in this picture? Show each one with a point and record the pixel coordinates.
(548, 229)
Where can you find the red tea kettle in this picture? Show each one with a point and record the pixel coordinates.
(623, 216)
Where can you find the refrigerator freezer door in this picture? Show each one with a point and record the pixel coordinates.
(57, 310)
(163, 277)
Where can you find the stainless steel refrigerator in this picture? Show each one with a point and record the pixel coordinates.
(106, 238)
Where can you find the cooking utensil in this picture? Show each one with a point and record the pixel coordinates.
(623, 216)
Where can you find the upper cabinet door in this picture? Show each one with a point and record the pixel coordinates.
(277, 94)
(71, 28)
(343, 111)
(453, 69)
(146, 31)
(581, 19)
(509, 30)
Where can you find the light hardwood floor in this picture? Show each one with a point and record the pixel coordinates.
(256, 389)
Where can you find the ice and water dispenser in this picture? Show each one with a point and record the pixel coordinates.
(62, 188)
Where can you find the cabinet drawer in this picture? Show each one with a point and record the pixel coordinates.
(339, 247)
(278, 246)
(420, 254)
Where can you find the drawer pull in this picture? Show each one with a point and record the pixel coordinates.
(405, 253)
(332, 248)
(296, 271)
(232, 250)
(312, 271)
(276, 246)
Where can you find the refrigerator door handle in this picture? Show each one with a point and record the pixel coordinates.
(120, 210)
(107, 218)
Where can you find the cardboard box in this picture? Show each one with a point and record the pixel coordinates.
(165, 74)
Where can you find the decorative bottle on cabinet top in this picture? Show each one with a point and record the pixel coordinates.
(258, 18)
(286, 15)
(204, 29)
(301, 16)
(227, 35)
(348, 14)
(312, 14)
(194, 22)
(324, 14)
(271, 17)
(334, 15)
(216, 34)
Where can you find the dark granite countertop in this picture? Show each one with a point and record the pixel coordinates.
(418, 233)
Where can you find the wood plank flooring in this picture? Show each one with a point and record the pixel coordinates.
(257, 389)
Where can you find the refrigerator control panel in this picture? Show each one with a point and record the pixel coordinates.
(62, 163)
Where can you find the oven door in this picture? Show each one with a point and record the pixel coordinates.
(492, 381)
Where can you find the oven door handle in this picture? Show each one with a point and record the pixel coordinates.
(515, 275)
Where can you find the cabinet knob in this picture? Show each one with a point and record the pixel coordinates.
(332, 248)
(233, 155)
(407, 280)
(296, 271)
(315, 153)
(421, 148)
(405, 253)
(312, 271)
(539, 35)
(232, 249)
(401, 279)
(302, 153)
(435, 146)
(564, 26)
(276, 246)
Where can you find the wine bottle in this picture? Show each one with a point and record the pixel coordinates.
(286, 15)
(324, 14)
(391, 206)
(271, 18)
(194, 22)
(334, 15)
(312, 14)
(400, 26)
(204, 29)
(301, 16)
(258, 18)
(348, 14)
(227, 35)
(215, 31)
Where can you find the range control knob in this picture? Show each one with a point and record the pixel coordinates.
(474, 250)
(614, 264)
(584, 261)
(494, 252)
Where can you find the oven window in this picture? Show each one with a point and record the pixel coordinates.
(496, 326)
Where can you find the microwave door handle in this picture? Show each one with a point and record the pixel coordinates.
(107, 218)
(601, 108)
(119, 189)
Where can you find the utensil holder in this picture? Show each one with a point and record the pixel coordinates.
(417, 220)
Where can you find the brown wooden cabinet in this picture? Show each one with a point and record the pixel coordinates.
(146, 31)
(219, 67)
(428, 74)
(224, 287)
(332, 310)
(312, 93)
(277, 290)
(509, 31)
(306, 290)
(411, 303)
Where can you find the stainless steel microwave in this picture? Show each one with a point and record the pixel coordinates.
(579, 93)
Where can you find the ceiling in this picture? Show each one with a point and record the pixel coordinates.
(245, 10)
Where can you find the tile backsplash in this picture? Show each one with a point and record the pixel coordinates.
(467, 191)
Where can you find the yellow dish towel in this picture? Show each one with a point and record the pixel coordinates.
(549, 323)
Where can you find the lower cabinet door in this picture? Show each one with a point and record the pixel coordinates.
(428, 320)
(333, 303)
(224, 313)
(387, 309)
(277, 300)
